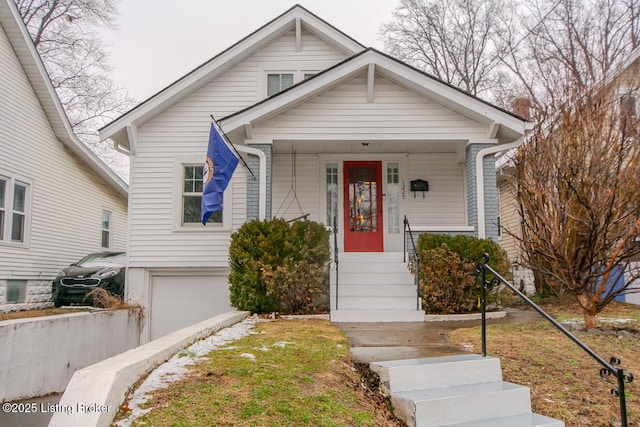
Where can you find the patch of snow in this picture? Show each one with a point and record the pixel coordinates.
(248, 356)
(176, 367)
(264, 349)
(282, 344)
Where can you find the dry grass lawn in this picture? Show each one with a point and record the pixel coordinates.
(41, 312)
(302, 375)
(563, 379)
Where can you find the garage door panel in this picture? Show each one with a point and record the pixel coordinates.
(180, 301)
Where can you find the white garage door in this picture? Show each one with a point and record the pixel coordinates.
(182, 300)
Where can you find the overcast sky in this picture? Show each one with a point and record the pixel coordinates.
(159, 41)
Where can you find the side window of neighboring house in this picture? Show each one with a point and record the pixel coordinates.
(14, 210)
(629, 104)
(192, 196)
(106, 228)
(278, 82)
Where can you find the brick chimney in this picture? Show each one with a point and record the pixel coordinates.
(522, 107)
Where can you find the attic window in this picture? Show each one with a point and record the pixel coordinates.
(278, 82)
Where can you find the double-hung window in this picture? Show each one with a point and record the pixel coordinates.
(278, 76)
(14, 210)
(192, 196)
(106, 228)
(277, 82)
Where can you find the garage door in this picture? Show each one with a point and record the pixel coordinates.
(181, 300)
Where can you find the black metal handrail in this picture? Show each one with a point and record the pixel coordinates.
(609, 368)
(416, 279)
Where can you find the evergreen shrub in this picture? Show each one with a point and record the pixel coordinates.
(448, 281)
(278, 266)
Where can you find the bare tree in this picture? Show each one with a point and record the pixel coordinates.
(577, 183)
(454, 40)
(65, 35)
(577, 178)
(562, 47)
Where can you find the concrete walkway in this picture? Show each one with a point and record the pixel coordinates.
(375, 342)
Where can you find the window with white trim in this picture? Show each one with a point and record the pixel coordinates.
(277, 79)
(393, 197)
(14, 210)
(332, 194)
(277, 82)
(106, 228)
(192, 196)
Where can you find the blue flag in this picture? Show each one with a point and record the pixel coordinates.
(218, 168)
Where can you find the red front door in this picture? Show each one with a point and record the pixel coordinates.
(363, 207)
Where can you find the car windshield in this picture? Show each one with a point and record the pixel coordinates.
(103, 260)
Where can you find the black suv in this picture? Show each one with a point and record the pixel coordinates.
(99, 270)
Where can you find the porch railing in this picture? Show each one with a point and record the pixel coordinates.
(416, 276)
(608, 369)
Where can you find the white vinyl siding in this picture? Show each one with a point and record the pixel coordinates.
(65, 199)
(155, 240)
(296, 194)
(509, 220)
(396, 113)
(444, 203)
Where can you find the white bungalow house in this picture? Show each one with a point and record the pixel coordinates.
(329, 128)
(58, 201)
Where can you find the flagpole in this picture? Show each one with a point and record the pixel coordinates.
(233, 146)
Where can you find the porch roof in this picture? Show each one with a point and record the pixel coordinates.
(502, 125)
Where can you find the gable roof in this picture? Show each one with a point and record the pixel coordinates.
(123, 130)
(505, 126)
(33, 67)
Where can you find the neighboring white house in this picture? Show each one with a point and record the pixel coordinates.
(341, 130)
(58, 201)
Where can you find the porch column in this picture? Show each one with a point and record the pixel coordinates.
(490, 189)
(253, 185)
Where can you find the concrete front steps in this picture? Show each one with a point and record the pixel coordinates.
(374, 287)
(463, 390)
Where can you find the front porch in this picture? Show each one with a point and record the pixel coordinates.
(362, 194)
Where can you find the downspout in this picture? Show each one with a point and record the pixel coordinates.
(262, 200)
(480, 179)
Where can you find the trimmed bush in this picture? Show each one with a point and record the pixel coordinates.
(469, 249)
(447, 282)
(279, 267)
(447, 271)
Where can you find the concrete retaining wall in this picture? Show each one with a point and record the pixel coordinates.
(95, 393)
(39, 355)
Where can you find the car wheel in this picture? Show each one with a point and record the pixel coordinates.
(57, 300)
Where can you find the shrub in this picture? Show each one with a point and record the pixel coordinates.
(279, 267)
(469, 249)
(447, 282)
(447, 271)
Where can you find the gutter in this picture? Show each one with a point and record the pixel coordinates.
(480, 179)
